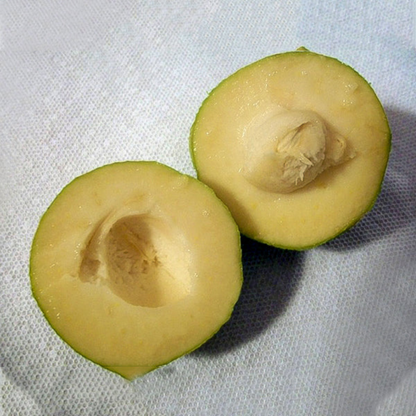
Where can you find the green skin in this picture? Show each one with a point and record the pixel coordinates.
(354, 221)
(151, 368)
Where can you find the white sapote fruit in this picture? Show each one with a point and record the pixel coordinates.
(296, 145)
(135, 264)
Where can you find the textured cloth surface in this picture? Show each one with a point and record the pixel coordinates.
(330, 331)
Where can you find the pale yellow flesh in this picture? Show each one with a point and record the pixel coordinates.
(296, 81)
(135, 264)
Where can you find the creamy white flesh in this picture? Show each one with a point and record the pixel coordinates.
(135, 264)
(296, 145)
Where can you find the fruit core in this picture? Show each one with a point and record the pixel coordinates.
(140, 259)
(287, 149)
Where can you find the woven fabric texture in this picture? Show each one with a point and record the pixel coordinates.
(330, 331)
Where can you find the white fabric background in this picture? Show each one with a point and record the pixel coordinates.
(331, 331)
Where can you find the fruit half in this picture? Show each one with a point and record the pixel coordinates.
(296, 145)
(135, 264)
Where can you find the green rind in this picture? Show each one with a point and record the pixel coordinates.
(153, 366)
(302, 50)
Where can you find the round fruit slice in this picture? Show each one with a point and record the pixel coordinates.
(135, 264)
(296, 145)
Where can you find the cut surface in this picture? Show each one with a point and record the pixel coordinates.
(296, 145)
(135, 264)
(140, 258)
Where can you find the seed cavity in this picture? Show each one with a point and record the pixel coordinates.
(140, 258)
